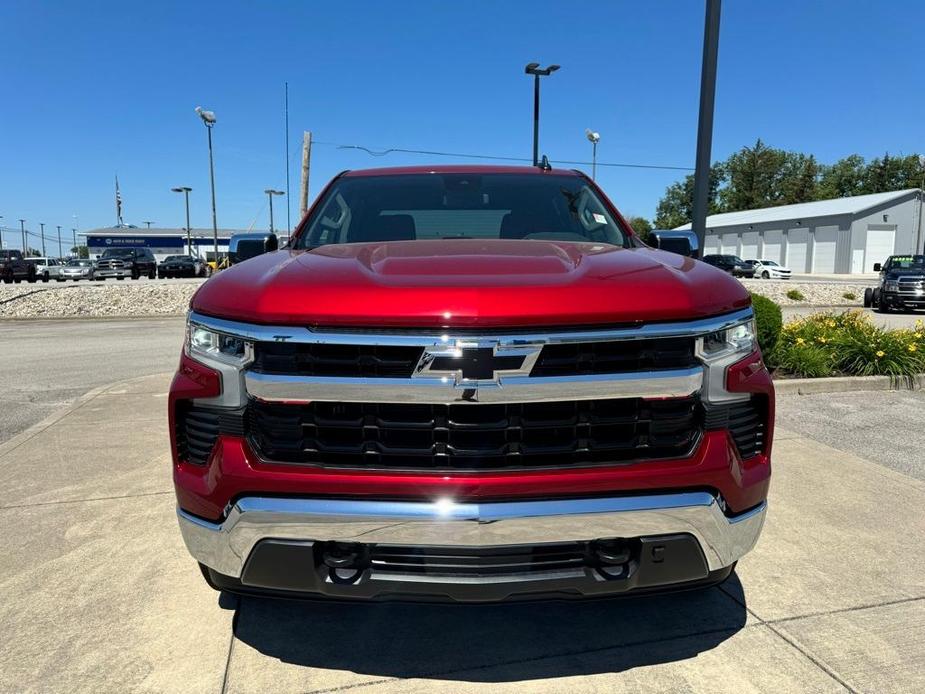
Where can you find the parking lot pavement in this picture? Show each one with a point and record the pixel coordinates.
(100, 594)
(48, 364)
(885, 428)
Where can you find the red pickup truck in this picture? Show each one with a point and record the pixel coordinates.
(469, 383)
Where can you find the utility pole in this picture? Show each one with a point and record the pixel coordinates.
(189, 241)
(306, 165)
(1, 234)
(74, 236)
(705, 121)
(22, 228)
(148, 224)
(60, 255)
(42, 225)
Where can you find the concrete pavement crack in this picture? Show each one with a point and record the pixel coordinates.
(81, 501)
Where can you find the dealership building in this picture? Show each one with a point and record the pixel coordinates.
(162, 242)
(840, 236)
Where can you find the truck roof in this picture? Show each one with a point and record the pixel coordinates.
(460, 169)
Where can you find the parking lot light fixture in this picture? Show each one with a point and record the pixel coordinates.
(593, 138)
(209, 119)
(537, 72)
(189, 242)
(42, 226)
(59, 241)
(22, 229)
(270, 193)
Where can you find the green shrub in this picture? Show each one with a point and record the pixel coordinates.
(831, 344)
(795, 295)
(850, 296)
(768, 321)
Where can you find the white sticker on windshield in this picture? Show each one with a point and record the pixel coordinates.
(599, 218)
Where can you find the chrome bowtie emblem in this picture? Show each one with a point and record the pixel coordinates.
(475, 363)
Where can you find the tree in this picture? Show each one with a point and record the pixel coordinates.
(641, 226)
(842, 179)
(677, 205)
(33, 252)
(80, 251)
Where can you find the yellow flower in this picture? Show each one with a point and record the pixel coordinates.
(800, 340)
(830, 323)
(880, 353)
(912, 348)
(917, 335)
(822, 340)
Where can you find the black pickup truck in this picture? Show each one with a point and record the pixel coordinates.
(14, 268)
(901, 285)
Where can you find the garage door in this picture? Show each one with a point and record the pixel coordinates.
(711, 245)
(879, 246)
(797, 245)
(773, 242)
(749, 245)
(824, 244)
(731, 244)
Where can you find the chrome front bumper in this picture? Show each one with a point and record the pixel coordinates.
(226, 546)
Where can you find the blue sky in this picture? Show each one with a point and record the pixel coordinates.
(88, 90)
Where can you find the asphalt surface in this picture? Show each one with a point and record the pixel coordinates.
(48, 364)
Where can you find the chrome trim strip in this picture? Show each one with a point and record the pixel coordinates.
(671, 383)
(430, 337)
(226, 546)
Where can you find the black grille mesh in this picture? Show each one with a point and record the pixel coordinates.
(474, 437)
(615, 357)
(335, 360)
(198, 429)
(746, 422)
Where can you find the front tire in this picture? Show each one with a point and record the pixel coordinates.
(45, 277)
(868, 297)
(765, 275)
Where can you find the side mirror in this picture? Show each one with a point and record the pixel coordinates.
(877, 267)
(271, 244)
(680, 243)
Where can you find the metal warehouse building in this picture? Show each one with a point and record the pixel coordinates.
(843, 236)
(162, 242)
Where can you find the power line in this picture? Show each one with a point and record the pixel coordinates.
(399, 150)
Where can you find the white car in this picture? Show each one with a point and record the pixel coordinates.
(47, 268)
(769, 270)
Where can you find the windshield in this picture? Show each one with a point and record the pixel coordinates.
(769, 262)
(78, 263)
(118, 253)
(908, 262)
(171, 258)
(460, 206)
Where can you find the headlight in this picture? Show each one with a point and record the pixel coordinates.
(739, 339)
(891, 286)
(208, 344)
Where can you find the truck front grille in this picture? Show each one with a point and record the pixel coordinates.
(569, 359)
(198, 429)
(474, 436)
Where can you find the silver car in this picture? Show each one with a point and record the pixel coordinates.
(47, 268)
(78, 269)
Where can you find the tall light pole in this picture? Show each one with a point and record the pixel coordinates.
(705, 120)
(534, 69)
(1, 234)
(186, 191)
(593, 138)
(74, 237)
(270, 193)
(147, 224)
(208, 119)
(60, 255)
(42, 225)
(22, 228)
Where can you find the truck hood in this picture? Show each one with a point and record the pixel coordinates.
(468, 283)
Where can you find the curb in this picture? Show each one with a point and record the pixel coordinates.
(848, 384)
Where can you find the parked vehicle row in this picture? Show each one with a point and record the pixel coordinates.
(735, 266)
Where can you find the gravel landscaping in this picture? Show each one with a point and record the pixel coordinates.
(814, 293)
(94, 300)
(125, 299)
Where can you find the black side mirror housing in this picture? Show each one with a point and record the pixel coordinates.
(271, 244)
(877, 267)
(678, 242)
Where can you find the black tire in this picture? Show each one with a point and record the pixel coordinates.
(765, 275)
(152, 274)
(868, 297)
(44, 276)
(31, 277)
(120, 278)
(59, 279)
